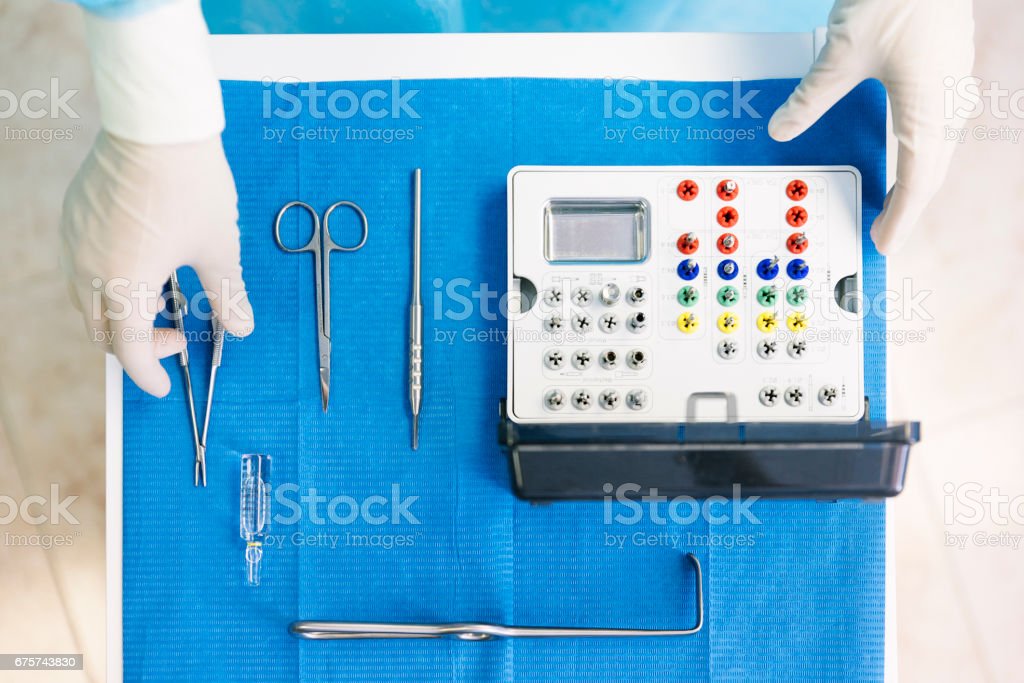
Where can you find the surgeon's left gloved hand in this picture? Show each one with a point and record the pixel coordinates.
(915, 47)
(155, 192)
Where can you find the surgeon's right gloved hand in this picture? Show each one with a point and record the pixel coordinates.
(916, 48)
(155, 192)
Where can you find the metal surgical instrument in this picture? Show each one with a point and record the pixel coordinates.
(416, 319)
(350, 630)
(321, 245)
(218, 354)
(178, 310)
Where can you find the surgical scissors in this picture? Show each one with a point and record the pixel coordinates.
(321, 244)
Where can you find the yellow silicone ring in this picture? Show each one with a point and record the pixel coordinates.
(796, 321)
(728, 322)
(767, 322)
(687, 323)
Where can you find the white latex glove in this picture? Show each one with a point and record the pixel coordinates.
(133, 214)
(155, 192)
(913, 47)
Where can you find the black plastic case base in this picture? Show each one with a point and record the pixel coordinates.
(807, 460)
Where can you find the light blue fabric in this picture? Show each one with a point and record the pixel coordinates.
(804, 599)
(428, 16)
(119, 9)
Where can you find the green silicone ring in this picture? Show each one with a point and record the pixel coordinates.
(767, 295)
(797, 296)
(687, 296)
(728, 295)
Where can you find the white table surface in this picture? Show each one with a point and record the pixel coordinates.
(650, 56)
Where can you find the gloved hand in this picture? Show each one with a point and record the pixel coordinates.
(132, 215)
(913, 47)
(155, 192)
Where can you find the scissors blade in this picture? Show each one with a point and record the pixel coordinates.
(325, 385)
(325, 369)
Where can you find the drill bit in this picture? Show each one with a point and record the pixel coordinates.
(416, 319)
(177, 304)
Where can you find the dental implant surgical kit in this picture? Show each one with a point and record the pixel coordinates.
(690, 328)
